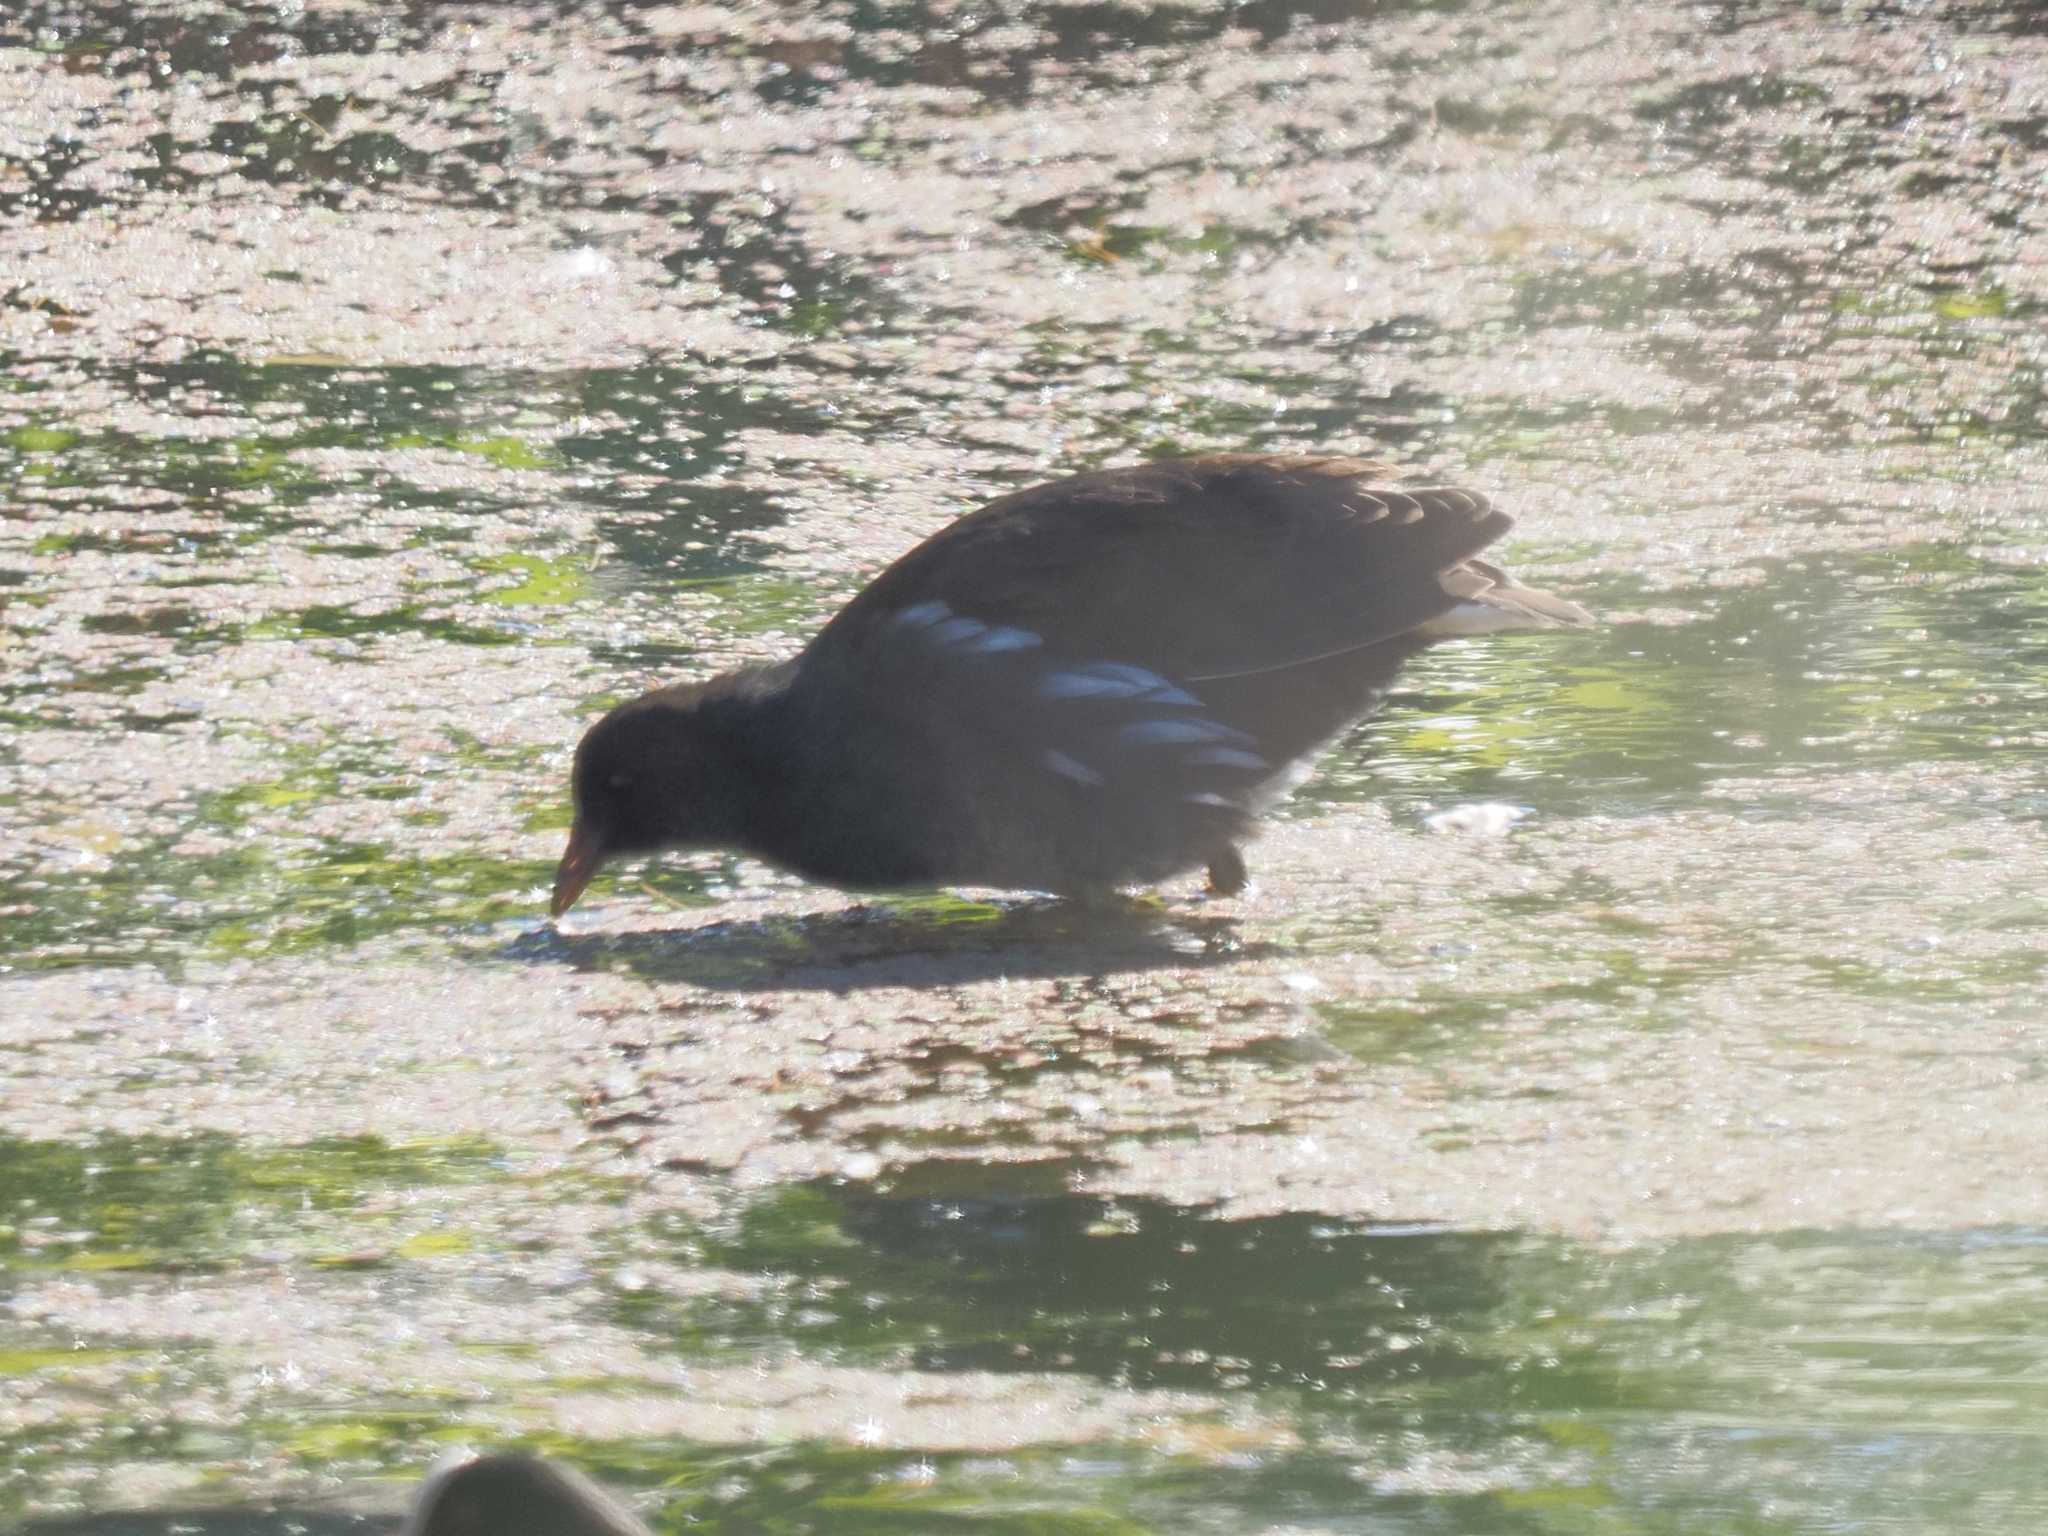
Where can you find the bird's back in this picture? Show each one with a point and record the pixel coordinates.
(1196, 567)
(1100, 680)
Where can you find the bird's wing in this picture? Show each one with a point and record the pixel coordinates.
(1209, 567)
(985, 735)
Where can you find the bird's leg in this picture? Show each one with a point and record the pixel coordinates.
(1226, 871)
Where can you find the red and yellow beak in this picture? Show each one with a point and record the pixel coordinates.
(580, 861)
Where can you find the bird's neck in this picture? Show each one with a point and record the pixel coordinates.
(753, 717)
(819, 813)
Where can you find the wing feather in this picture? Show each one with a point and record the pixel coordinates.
(1216, 566)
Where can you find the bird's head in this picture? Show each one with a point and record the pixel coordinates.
(657, 772)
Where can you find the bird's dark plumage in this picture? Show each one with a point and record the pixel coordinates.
(1091, 683)
(515, 1496)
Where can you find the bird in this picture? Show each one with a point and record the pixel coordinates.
(510, 1495)
(1088, 685)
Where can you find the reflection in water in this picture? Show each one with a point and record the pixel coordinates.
(1138, 1293)
(1511, 1378)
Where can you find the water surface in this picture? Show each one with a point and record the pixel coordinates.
(388, 391)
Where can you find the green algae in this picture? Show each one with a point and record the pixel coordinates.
(164, 1204)
(542, 582)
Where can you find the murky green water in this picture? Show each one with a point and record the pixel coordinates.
(386, 390)
(1427, 1379)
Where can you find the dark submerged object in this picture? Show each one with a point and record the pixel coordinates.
(1092, 683)
(515, 1496)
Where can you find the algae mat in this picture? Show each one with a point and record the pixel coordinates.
(1652, 1143)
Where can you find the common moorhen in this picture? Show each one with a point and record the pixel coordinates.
(515, 1496)
(1087, 684)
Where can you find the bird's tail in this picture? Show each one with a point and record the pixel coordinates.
(1486, 598)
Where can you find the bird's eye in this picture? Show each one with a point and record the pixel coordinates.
(618, 781)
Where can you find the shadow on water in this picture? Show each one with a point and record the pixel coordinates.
(934, 941)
